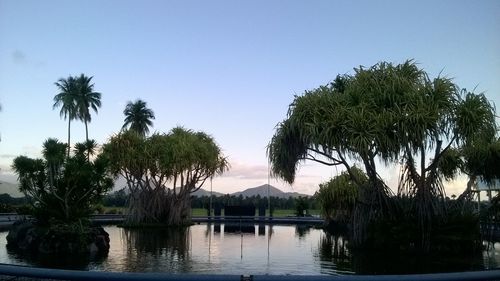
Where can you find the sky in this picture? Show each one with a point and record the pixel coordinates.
(228, 68)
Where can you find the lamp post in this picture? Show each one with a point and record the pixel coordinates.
(268, 189)
(210, 211)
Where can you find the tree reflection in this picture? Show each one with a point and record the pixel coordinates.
(333, 250)
(335, 254)
(153, 249)
(302, 230)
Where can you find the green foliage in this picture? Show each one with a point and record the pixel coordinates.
(6, 208)
(392, 114)
(59, 188)
(482, 158)
(450, 163)
(7, 199)
(182, 159)
(118, 198)
(337, 197)
(188, 158)
(232, 200)
(300, 206)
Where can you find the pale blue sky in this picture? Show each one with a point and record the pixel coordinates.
(229, 68)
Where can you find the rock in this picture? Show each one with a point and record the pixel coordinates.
(18, 232)
(59, 239)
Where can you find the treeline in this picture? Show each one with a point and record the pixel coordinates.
(10, 204)
(119, 199)
(257, 201)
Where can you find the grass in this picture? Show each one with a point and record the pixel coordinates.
(113, 210)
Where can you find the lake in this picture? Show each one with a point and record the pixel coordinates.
(247, 249)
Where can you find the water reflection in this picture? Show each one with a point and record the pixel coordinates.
(249, 249)
(334, 253)
(302, 230)
(491, 255)
(239, 228)
(156, 249)
(75, 262)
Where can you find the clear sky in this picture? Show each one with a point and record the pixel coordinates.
(229, 68)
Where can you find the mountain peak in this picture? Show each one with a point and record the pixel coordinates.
(261, 190)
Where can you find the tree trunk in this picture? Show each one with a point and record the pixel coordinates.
(180, 209)
(373, 205)
(87, 139)
(69, 131)
(158, 206)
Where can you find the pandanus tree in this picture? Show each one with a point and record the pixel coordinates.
(385, 113)
(60, 188)
(162, 171)
(138, 117)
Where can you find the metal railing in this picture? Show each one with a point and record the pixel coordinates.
(7, 219)
(61, 274)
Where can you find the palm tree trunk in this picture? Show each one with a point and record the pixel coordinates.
(69, 131)
(87, 139)
(86, 131)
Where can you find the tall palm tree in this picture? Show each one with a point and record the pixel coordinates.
(86, 99)
(138, 117)
(66, 99)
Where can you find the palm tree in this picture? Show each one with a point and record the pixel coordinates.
(138, 117)
(86, 99)
(66, 99)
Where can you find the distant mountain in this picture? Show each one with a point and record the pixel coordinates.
(254, 191)
(202, 192)
(273, 192)
(10, 188)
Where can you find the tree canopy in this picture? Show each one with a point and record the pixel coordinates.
(389, 113)
(162, 170)
(60, 188)
(338, 196)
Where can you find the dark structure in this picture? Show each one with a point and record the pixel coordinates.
(239, 211)
(217, 210)
(239, 228)
(262, 211)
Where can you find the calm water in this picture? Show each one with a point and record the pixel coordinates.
(249, 249)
